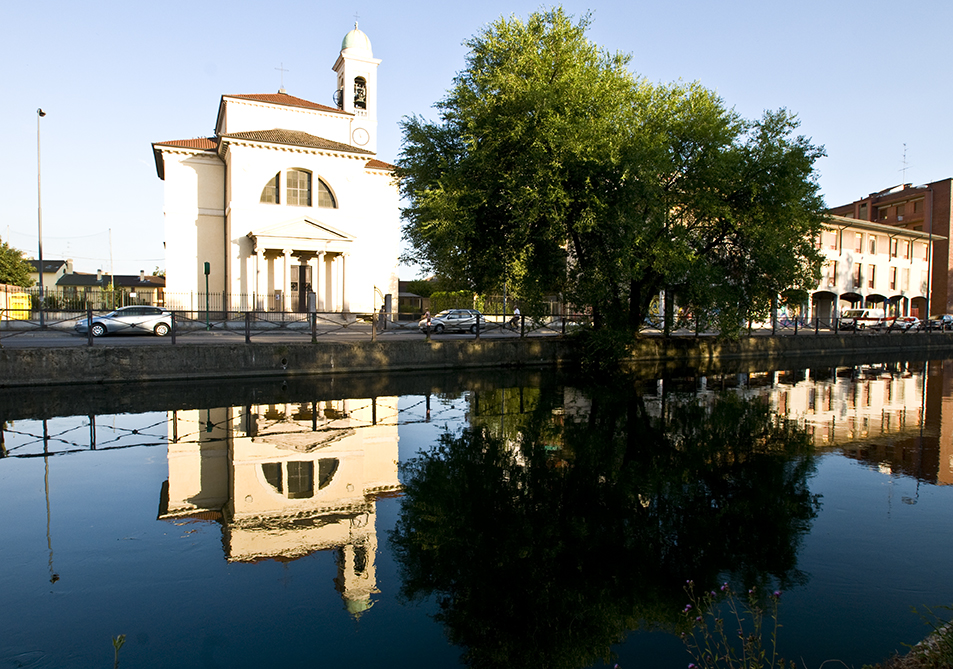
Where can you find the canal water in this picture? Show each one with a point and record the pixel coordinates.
(479, 520)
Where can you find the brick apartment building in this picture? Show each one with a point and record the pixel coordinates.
(925, 208)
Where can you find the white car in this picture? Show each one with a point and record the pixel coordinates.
(454, 320)
(129, 320)
(907, 323)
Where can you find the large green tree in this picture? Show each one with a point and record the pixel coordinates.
(14, 270)
(552, 168)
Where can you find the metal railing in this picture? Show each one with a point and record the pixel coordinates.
(262, 325)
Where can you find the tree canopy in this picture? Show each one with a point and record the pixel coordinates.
(14, 270)
(553, 169)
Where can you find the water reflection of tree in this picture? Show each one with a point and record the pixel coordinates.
(543, 557)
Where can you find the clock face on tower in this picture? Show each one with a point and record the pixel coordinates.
(360, 136)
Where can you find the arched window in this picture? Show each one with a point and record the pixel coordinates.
(269, 194)
(295, 479)
(360, 93)
(325, 196)
(298, 187)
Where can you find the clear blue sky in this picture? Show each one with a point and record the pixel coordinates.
(865, 78)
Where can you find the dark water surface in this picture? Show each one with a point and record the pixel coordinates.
(485, 520)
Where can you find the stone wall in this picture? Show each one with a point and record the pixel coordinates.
(41, 366)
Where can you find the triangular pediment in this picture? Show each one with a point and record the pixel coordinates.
(301, 228)
(301, 234)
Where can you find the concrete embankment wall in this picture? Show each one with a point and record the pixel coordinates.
(113, 364)
(703, 351)
(108, 364)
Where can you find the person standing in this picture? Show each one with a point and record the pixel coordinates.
(515, 321)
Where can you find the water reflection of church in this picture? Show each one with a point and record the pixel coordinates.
(286, 480)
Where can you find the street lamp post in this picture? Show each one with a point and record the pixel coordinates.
(39, 211)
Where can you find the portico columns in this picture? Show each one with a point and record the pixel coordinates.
(320, 282)
(286, 286)
(345, 303)
(314, 264)
(261, 279)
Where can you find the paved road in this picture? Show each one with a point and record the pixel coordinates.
(325, 333)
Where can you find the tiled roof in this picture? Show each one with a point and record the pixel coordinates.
(81, 279)
(133, 280)
(48, 265)
(202, 143)
(294, 138)
(198, 143)
(123, 280)
(287, 100)
(375, 164)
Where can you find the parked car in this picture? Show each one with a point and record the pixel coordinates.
(129, 320)
(907, 323)
(454, 320)
(941, 322)
(860, 319)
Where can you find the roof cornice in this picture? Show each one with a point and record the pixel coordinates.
(277, 101)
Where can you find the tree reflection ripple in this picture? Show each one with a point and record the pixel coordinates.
(545, 542)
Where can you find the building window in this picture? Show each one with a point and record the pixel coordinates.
(833, 239)
(906, 250)
(900, 210)
(269, 194)
(882, 213)
(917, 206)
(871, 276)
(325, 197)
(300, 479)
(863, 211)
(858, 277)
(327, 468)
(893, 278)
(873, 245)
(859, 242)
(893, 248)
(830, 272)
(298, 184)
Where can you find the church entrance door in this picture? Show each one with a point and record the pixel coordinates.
(301, 287)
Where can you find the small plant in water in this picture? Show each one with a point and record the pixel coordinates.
(735, 643)
(117, 644)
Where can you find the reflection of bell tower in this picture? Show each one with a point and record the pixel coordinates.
(357, 574)
(356, 93)
(287, 480)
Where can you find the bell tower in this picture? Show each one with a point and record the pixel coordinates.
(356, 91)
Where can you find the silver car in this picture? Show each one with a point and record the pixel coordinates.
(454, 320)
(129, 320)
(941, 322)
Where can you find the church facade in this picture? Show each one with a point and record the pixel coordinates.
(287, 205)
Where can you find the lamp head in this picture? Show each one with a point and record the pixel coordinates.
(41, 112)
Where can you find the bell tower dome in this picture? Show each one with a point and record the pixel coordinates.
(356, 92)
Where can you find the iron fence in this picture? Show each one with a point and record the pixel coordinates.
(256, 325)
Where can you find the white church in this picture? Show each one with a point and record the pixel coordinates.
(287, 199)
